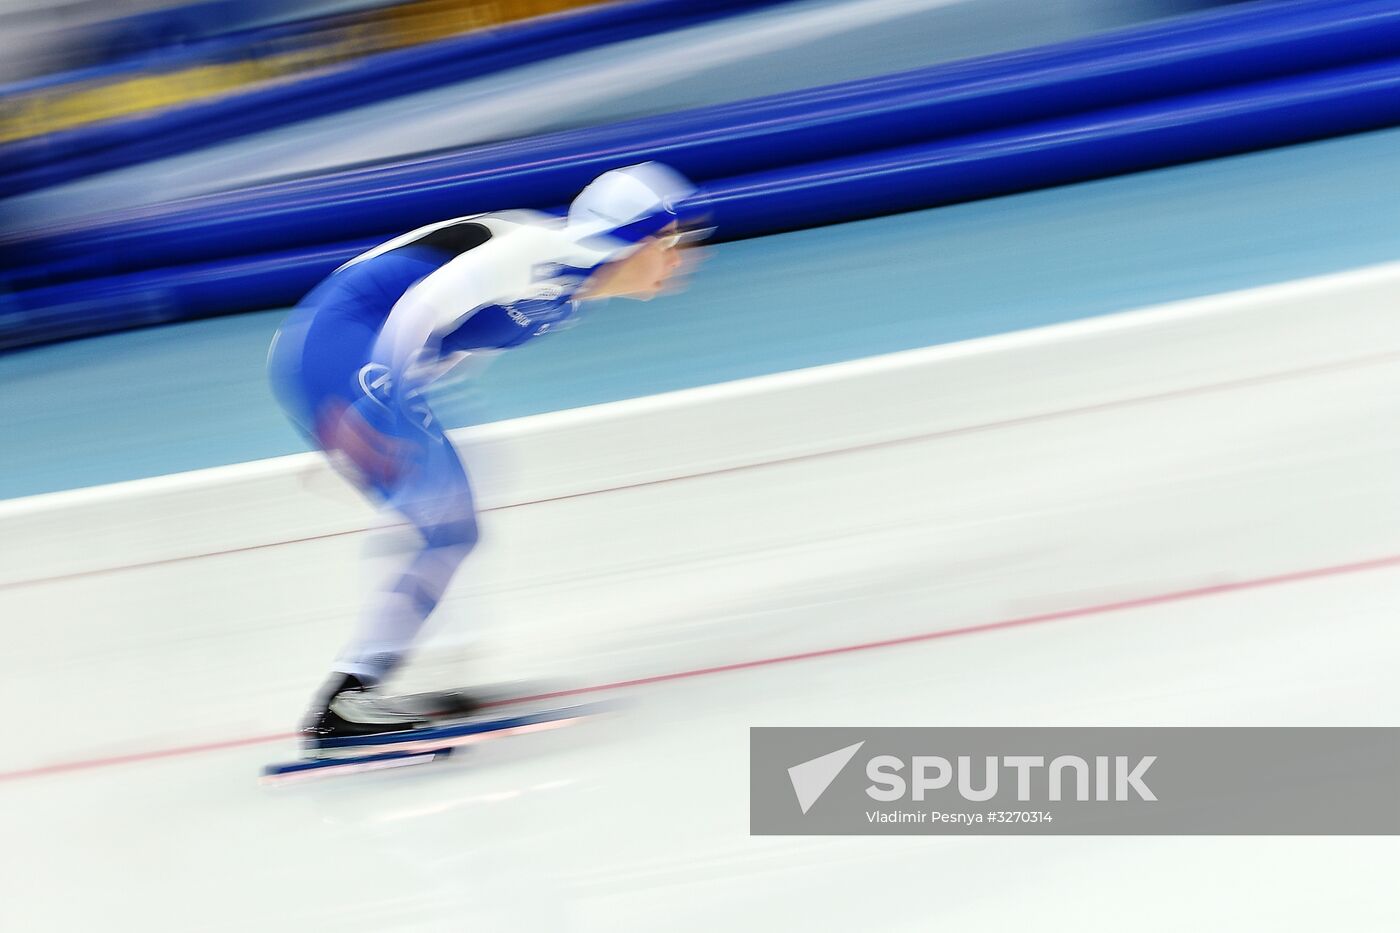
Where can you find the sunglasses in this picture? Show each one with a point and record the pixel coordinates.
(685, 237)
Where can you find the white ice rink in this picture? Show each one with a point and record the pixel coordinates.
(1183, 516)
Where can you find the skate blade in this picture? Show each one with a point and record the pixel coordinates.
(313, 769)
(419, 746)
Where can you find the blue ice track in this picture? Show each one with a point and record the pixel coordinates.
(189, 396)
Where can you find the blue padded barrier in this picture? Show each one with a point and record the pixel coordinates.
(1190, 54)
(1139, 136)
(164, 296)
(28, 165)
(1055, 152)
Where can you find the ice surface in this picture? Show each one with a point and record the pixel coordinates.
(639, 821)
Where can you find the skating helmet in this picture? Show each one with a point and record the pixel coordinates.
(621, 208)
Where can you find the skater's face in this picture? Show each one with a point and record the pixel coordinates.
(644, 274)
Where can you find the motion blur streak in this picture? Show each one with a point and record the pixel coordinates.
(1298, 576)
(1187, 493)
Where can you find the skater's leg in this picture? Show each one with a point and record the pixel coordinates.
(434, 495)
(410, 469)
(431, 491)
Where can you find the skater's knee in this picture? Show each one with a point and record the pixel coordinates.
(458, 536)
(431, 571)
(423, 593)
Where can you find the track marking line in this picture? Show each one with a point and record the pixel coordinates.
(1315, 573)
(1265, 379)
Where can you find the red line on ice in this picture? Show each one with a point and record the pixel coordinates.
(1374, 359)
(1217, 589)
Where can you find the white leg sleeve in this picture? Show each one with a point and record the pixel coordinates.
(394, 615)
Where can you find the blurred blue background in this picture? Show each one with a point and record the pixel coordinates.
(889, 174)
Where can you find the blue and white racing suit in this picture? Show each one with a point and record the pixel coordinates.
(368, 340)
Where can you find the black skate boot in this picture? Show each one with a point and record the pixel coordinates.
(349, 707)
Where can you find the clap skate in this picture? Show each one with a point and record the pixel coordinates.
(358, 728)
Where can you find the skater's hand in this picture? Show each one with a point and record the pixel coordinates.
(365, 435)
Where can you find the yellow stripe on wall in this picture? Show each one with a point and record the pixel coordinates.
(49, 110)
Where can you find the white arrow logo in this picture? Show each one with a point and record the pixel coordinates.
(811, 778)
